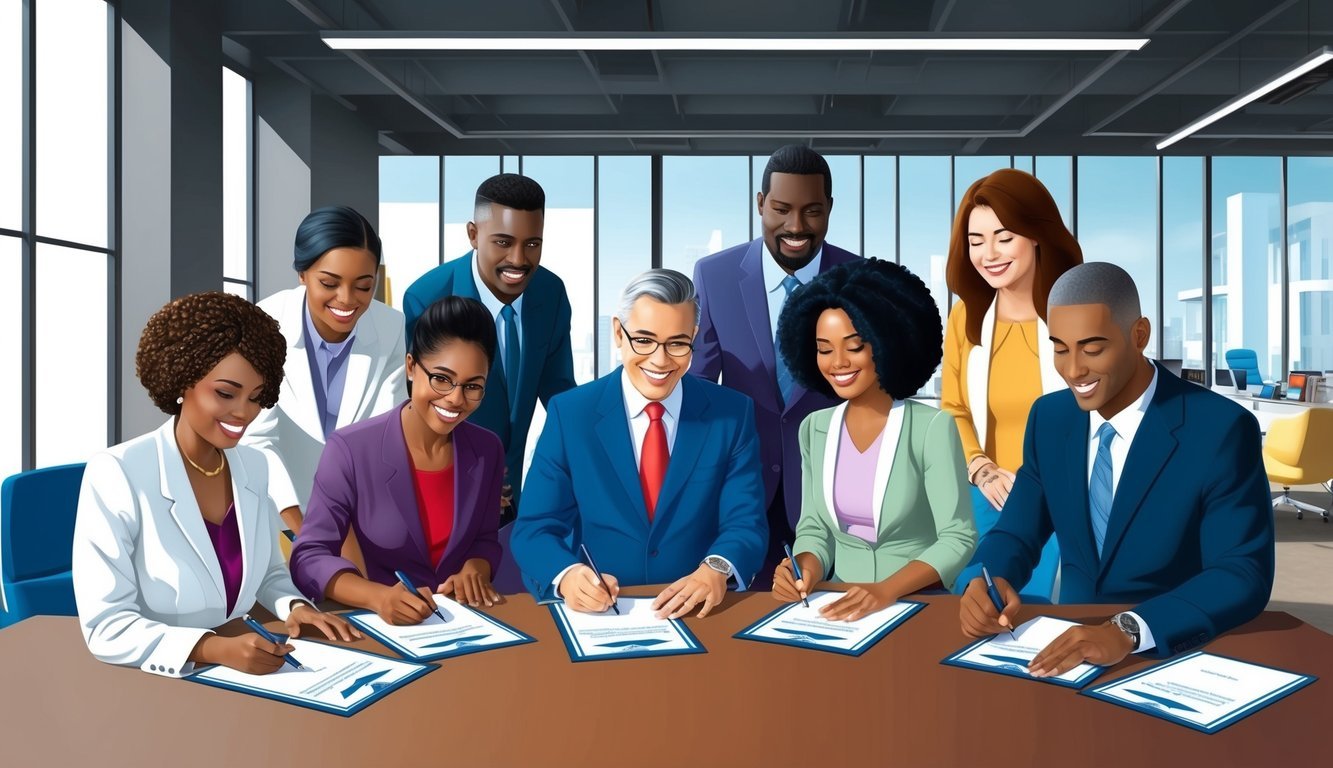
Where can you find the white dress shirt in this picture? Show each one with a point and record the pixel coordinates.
(1126, 425)
(773, 277)
(494, 305)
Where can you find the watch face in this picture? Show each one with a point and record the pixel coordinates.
(1128, 622)
(717, 564)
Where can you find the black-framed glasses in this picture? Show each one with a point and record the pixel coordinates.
(642, 345)
(444, 385)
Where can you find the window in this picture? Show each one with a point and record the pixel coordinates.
(1181, 328)
(1309, 230)
(11, 123)
(925, 219)
(706, 206)
(881, 208)
(1244, 241)
(967, 170)
(409, 221)
(462, 176)
(237, 141)
(1117, 222)
(1057, 175)
(624, 244)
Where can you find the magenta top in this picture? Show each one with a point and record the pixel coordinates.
(226, 538)
(854, 487)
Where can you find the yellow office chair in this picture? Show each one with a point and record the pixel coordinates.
(1299, 451)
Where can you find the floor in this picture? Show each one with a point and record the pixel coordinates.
(1304, 583)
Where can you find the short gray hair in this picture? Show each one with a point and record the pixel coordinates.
(665, 285)
(1099, 282)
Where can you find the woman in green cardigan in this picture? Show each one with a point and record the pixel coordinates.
(885, 500)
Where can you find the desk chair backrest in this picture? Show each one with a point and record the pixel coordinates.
(37, 511)
(1246, 360)
(1304, 442)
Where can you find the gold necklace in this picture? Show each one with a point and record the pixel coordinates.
(206, 473)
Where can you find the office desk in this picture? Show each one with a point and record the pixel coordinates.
(741, 704)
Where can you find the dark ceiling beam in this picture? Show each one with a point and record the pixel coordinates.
(939, 14)
(1203, 58)
(587, 60)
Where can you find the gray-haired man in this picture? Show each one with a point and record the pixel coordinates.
(657, 473)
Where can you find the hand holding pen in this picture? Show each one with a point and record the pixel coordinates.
(583, 596)
(429, 601)
(802, 588)
(258, 629)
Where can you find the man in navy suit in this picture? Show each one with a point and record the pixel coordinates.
(503, 270)
(657, 473)
(1155, 488)
(741, 293)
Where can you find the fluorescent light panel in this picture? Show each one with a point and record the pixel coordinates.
(1310, 62)
(456, 42)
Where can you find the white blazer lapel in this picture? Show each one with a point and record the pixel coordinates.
(1050, 378)
(175, 487)
(251, 524)
(298, 391)
(831, 442)
(888, 449)
(978, 376)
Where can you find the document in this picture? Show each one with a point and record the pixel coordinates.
(465, 631)
(1201, 690)
(636, 632)
(336, 679)
(794, 624)
(1011, 656)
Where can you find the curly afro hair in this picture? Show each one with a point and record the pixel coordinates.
(186, 338)
(890, 308)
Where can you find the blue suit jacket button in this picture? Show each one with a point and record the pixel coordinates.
(653, 553)
(776, 468)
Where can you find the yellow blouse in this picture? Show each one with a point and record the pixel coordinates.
(1015, 384)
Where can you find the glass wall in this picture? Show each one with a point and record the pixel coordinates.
(236, 161)
(1310, 263)
(409, 221)
(1245, 249)
(706, 206)
(1117, 222)
(624, 243)
(1181, 327)
(881, 208)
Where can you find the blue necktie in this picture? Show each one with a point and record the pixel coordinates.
(511, 353)
(789, 284)
(1100, 493)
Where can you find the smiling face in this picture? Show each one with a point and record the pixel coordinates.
(339, 287)
(795, 217)
(508, 244)
(224, 402)
(1105, 370)
(459, 364)
(844, 359)
(1004, 259)
(650, 321)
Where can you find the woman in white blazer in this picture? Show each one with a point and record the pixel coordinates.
(174, 532)
(1007, 248)
(345, 352)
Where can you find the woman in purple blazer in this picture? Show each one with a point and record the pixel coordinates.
(418, 485)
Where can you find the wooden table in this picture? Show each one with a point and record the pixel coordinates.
(741, 704)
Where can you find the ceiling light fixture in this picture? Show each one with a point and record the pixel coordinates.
(1313, 61)
(454, 41)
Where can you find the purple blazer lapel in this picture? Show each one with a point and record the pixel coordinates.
(467, 489)
(755, 298)
(399, 485)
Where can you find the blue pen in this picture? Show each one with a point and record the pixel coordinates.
(588, 556)
(995, 596)
(406, 582)
(796, 569)
(269, 636)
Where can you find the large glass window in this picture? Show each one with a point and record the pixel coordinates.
(409, 221)
(966, 170)
(706, 206)
(881, 208)
(1245, 251)
(1182, 260)
(71, 143)
(11, 385)
(1056, 173)
(462, 176)
(71, 377)
(1310, 263)
(236, 143)
(11, 123)
(925, 218)
(624, 241)
(1117, 222)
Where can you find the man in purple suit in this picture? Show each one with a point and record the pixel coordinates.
(741, 293)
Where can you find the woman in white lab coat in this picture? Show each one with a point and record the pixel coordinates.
(345, 352)
(174, 532)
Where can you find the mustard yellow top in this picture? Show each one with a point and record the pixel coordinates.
(1015, 384)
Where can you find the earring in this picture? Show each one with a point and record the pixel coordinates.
(180, 400)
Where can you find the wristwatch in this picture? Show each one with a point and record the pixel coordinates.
(718, 564)
(1129, 625)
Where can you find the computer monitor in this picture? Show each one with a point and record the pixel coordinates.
(1173, 364)
(1295, 385)
(1222, 378)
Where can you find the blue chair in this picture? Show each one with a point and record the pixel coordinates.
(507, 579)
(36, 535)
(1246, 360)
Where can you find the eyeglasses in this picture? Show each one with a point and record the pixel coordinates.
(444, 385)
(642, 345)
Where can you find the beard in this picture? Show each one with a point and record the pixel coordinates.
(792, 263)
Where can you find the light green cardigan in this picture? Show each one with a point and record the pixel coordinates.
(924, 504)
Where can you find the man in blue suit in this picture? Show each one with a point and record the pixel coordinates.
(741, 293)
(529, 304)
(1155, 488)
(657, 473)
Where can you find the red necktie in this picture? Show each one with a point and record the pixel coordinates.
(653, 460)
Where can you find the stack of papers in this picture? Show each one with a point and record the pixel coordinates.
(794, 624)
(1011, 655)
(465, 631)
(635, 633)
